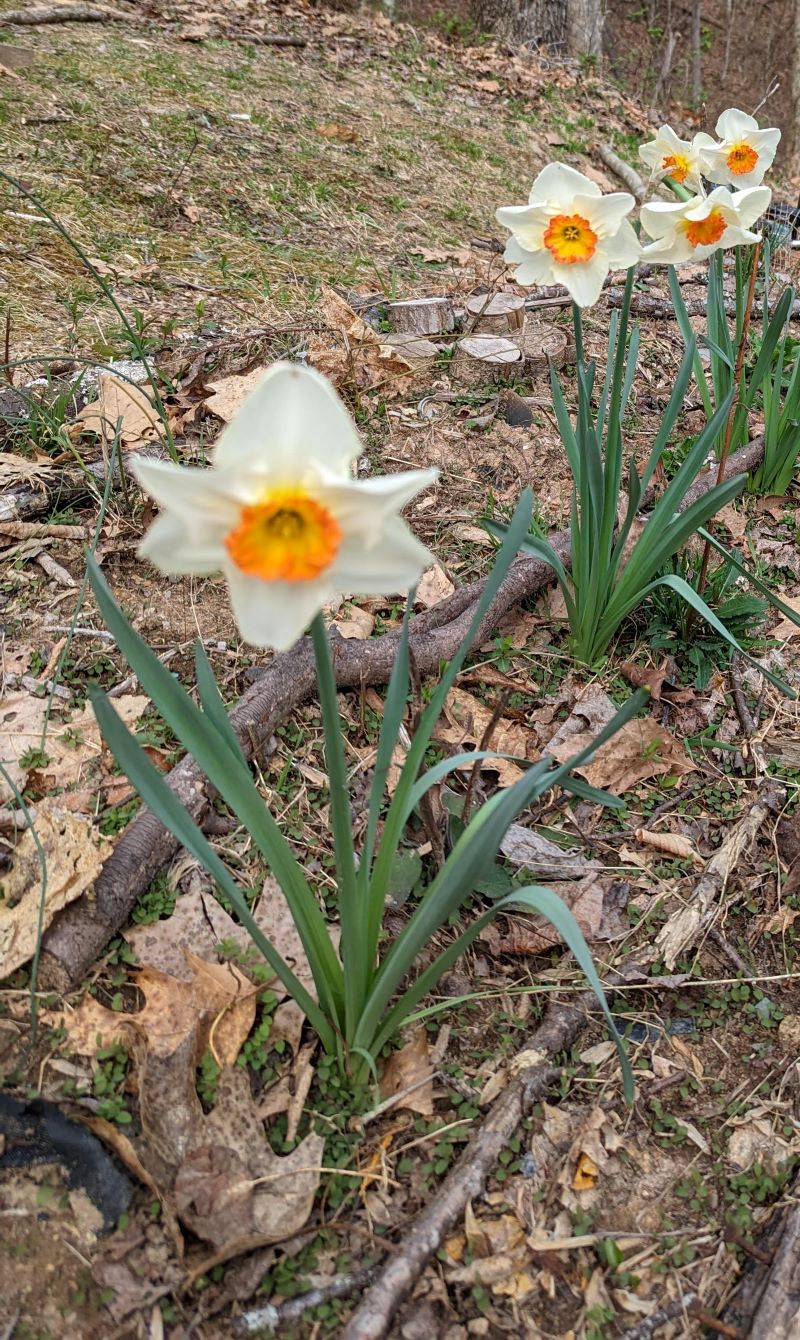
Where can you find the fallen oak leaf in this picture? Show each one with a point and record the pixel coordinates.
(674, 844)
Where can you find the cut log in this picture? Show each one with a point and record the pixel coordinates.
(421, 316)
(541, 345)
(418, 352)
(496, 313)
(486, 358)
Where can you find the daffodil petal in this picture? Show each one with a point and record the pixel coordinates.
(734, 124)
(275, 614)
(624, 248)
(584, 283)
(292, 423)
(605, 213)
(536, 268)
(171, 546)
(188, 491)
(558, 184)
(392, 568)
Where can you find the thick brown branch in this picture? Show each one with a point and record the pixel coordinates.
(82, 931)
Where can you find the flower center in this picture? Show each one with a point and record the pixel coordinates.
(705, 232)
(741, 158)
(286, 537)
(676, 166)
(570, 238)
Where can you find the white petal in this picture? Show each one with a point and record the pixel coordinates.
(583, 280)
(362, 507)
(674, 249)
(525, 222)
(172, 548)
(292, 422)
(558, 184)
(516, 252)
(206, 494)
(605, 213)
(660, 217)
(275, 614)
(735, 125)
(537, 268)
(391, 568)
(751, 204)
(624, 248)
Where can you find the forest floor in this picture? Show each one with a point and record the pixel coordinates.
(242, 202)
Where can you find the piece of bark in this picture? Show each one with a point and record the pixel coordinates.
(496, 313)
(481, 359)
(62, 14)
(421, 316)
(542, 345)
(81, 932)
(562, 1024)
(777, 1313)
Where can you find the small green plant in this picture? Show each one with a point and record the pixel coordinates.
(606, 583)
(669, 625)
(110, 1076)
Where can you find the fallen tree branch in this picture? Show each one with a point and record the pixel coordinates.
(62, 14)
(80, 933)
(646, 304)
(561, 1026)
(627, 174)
(682, 931)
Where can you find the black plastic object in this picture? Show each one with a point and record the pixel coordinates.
(38, 1132)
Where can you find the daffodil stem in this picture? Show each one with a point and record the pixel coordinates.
(353, 941)
(577, 323)
(737, 378)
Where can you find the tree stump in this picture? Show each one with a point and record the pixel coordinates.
(541, 345)
(496, 313)
(421, 316)
(479, 359)
(418, 352)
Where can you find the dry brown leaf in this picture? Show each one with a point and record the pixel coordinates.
(232, 1186)
(74, 855)
(219, 1003)
(641, 749)
(535, 935)
(463, 725)
(198, 922)
(735, 522)
(229, 393)
(786, 630)
(434, 585)
(116, 400)
(410, 1068)
(20, 469)
(586, 1171)
(71, 746)
(674, 844)
(352, 353)
(332, 130)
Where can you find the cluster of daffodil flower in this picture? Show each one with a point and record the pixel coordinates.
(570, 233)
(282, 516)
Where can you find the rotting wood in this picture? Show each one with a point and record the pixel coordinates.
(63, 14)
(415, 349)
(496, 314)
(532, 1075)
(79, 934)
(483, 359)
(421, 316)
(683, 930)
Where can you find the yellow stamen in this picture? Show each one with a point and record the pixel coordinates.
(741, 158)
(676, 166)
(705, 232)
(288, 537)
(570, 238)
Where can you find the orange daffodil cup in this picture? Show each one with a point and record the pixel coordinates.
(570, 233)
(280, 515)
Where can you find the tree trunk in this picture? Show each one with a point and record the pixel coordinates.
(697, 74)
(566, 27)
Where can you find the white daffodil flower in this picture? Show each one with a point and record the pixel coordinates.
(694, 229)
(743, 153)
(669, 156)
(279, 513)
(569, 233)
